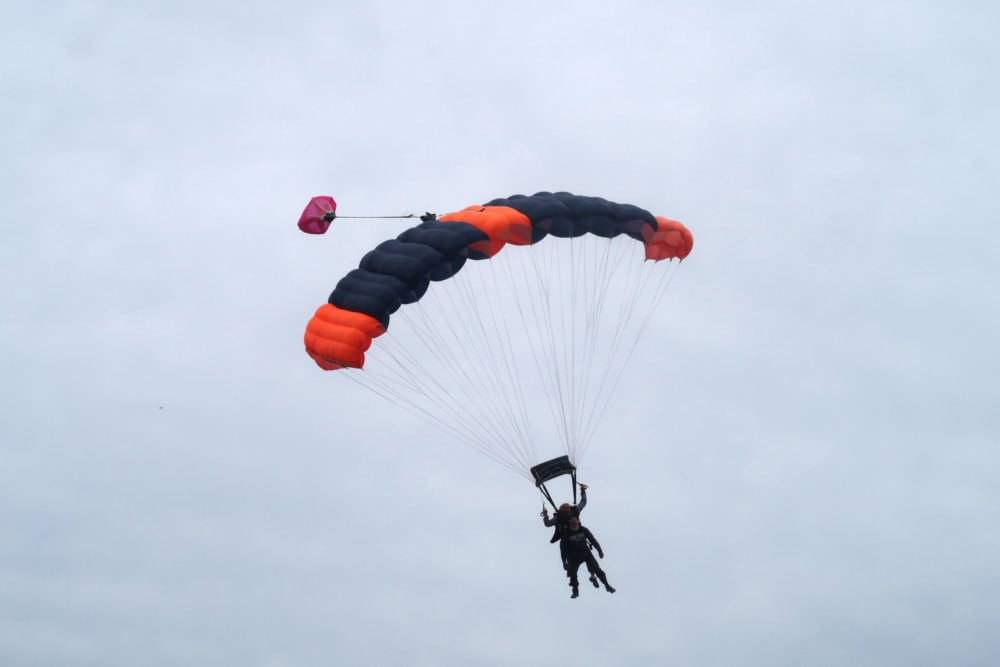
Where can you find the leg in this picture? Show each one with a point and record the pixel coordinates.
(593, 576)
(574, 566)
(594, 567)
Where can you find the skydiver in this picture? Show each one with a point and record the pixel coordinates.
(560, 520)
(578, 543)
(562, 516)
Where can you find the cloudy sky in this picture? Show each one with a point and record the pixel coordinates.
(803, 470)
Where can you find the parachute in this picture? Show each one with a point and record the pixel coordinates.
(483, 340)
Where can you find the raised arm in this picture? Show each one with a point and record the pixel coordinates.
(545, 517)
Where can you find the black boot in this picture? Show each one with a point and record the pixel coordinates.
(609, 588)
(593, 580)
(576, 592)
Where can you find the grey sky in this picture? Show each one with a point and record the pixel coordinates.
(807, 473)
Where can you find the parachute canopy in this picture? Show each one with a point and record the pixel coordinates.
(483, 342)
(400, 270)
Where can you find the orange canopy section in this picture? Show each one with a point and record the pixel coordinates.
(501, 223)
(338, 338)
(671, 239)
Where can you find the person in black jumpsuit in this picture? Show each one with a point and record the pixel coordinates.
(577, 542)
(561, 520)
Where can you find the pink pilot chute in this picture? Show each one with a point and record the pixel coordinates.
(318, 214)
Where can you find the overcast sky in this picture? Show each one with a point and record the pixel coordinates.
(804, 470)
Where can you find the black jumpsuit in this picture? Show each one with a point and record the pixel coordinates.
(575, 546)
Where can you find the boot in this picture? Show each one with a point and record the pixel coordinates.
(576, 592)
(593, 580)
(609, 588)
